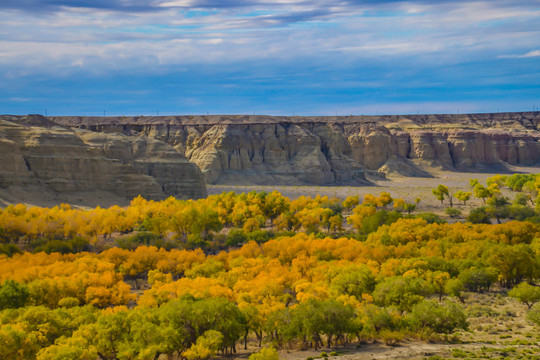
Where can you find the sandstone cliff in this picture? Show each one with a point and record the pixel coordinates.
(334, 150)
(39, 154)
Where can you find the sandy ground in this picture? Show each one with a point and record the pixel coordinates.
(408, 188)
(36, 196)
(399, 187)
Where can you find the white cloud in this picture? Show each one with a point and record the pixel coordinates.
(105, 40)
(530, 54)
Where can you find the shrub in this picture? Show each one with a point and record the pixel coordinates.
(260, 236)
(236, 237)
(391, 338)
(520, 212)
(439, 318)
(402, 292)
(79, 244)
(265, 354)
(142, 238)
(534, 314)
(206, 346)
(431, 218)
(527, 294)
(479, 216)
(9, 249)
(58, 246)
(478, 279)
(68, 302)
(452, 212)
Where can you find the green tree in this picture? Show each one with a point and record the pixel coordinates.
(408, 207)
(206, 346)
(526, 293)
(402, 292)
(314, 318)
(190, 318)
(463, 196)
(455, 287)
(441, 192)
(236, 237)
(514, 263)
(13, 295)
(516, 181)
(479, 216)
(498, 207)
(478, 279)
(352, 280)
(439, 318)
(481, 192)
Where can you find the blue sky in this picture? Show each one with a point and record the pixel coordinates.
(141, 57)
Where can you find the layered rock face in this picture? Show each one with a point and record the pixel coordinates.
(334, 150)
(35, 152)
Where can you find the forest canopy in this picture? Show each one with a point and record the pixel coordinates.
(191, 279)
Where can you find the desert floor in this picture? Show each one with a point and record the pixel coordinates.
(408, 188)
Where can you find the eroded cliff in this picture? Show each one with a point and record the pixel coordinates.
(37, 154)
(334, 150)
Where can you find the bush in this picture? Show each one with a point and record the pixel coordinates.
(534, 314)
(439, 318)
(479, 216)
(452, 212)
(431, 218)
(520, 212)
(265, 354)
(236, 237)
(527, 294)
(391, 338)
(68, 302)
(9, 249)
(195, 241)
(143, 238)
(79, 244)
(478, 279)
(382, 217)
(381, 318)
(58, 246)
(402, 292)
(260, 236)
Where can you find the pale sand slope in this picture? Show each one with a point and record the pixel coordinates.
(399, 187)
(407, 188)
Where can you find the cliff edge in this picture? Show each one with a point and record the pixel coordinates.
(40, 156)
(234, 149)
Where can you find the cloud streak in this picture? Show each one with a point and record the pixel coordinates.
(530, 54)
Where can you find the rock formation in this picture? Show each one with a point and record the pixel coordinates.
(35, 152)
(333, 150)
